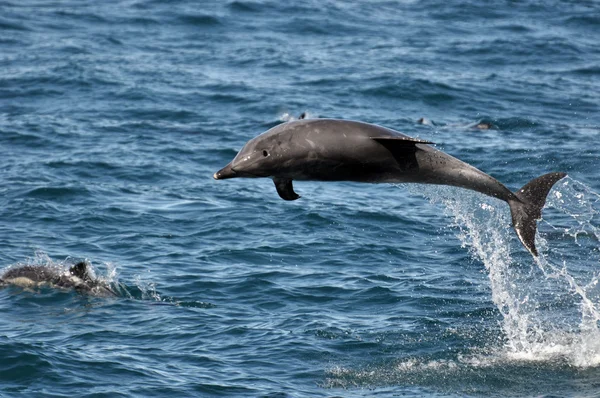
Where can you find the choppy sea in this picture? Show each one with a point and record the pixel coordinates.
(114, 115)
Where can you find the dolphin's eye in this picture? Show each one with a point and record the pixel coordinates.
(265, 153)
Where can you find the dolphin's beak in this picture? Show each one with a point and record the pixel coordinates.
(225, 172)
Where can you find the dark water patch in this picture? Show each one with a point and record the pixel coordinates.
(310, 26)
(514, 28)
(276, 395)
(559, 46)
(318, 294)
(199, 20)
(154, 114)
(55, 82)
(59, 194)
(179, 151)
(30, 92)
(312, 219)
(140, 20)
(333, 333)
(435, 93)
(83, 16)
(219, 389)
(591, 71)
(377, 295)
(486, 51)
(589, 20)
(477, 14)
(10, 41)
(80, 165)
(245, 6)
(514, 123)
(114, 40)
(326, 81)
(7, 25)
(21, 363)
(25, 139)
(232, 98)
(383, 278)
(59, 25)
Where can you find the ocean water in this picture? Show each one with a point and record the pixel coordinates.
(115, 115)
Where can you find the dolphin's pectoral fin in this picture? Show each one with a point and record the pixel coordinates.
(285, 189)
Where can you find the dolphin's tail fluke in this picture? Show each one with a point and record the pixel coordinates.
(528, 208)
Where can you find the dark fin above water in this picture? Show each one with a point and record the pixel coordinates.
(403, 149)
(285, 189)
(528, 209)
(80, 270)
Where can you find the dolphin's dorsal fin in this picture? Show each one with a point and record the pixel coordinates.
(403, 149)
(79, 270)
(285, 189)
(399, 140)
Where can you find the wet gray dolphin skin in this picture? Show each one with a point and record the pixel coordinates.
(77, 277)
(344, 150)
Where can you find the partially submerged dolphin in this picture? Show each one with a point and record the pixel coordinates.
(344, 150)
(77, 277)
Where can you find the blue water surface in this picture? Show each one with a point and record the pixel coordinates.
(114, 115)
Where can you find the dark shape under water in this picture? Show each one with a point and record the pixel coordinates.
(78, 277)
(344, 150)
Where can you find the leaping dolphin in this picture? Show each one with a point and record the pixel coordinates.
(344, 150)
(77, 277)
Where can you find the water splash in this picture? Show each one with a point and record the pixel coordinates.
(147, 290)
(550, 306)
